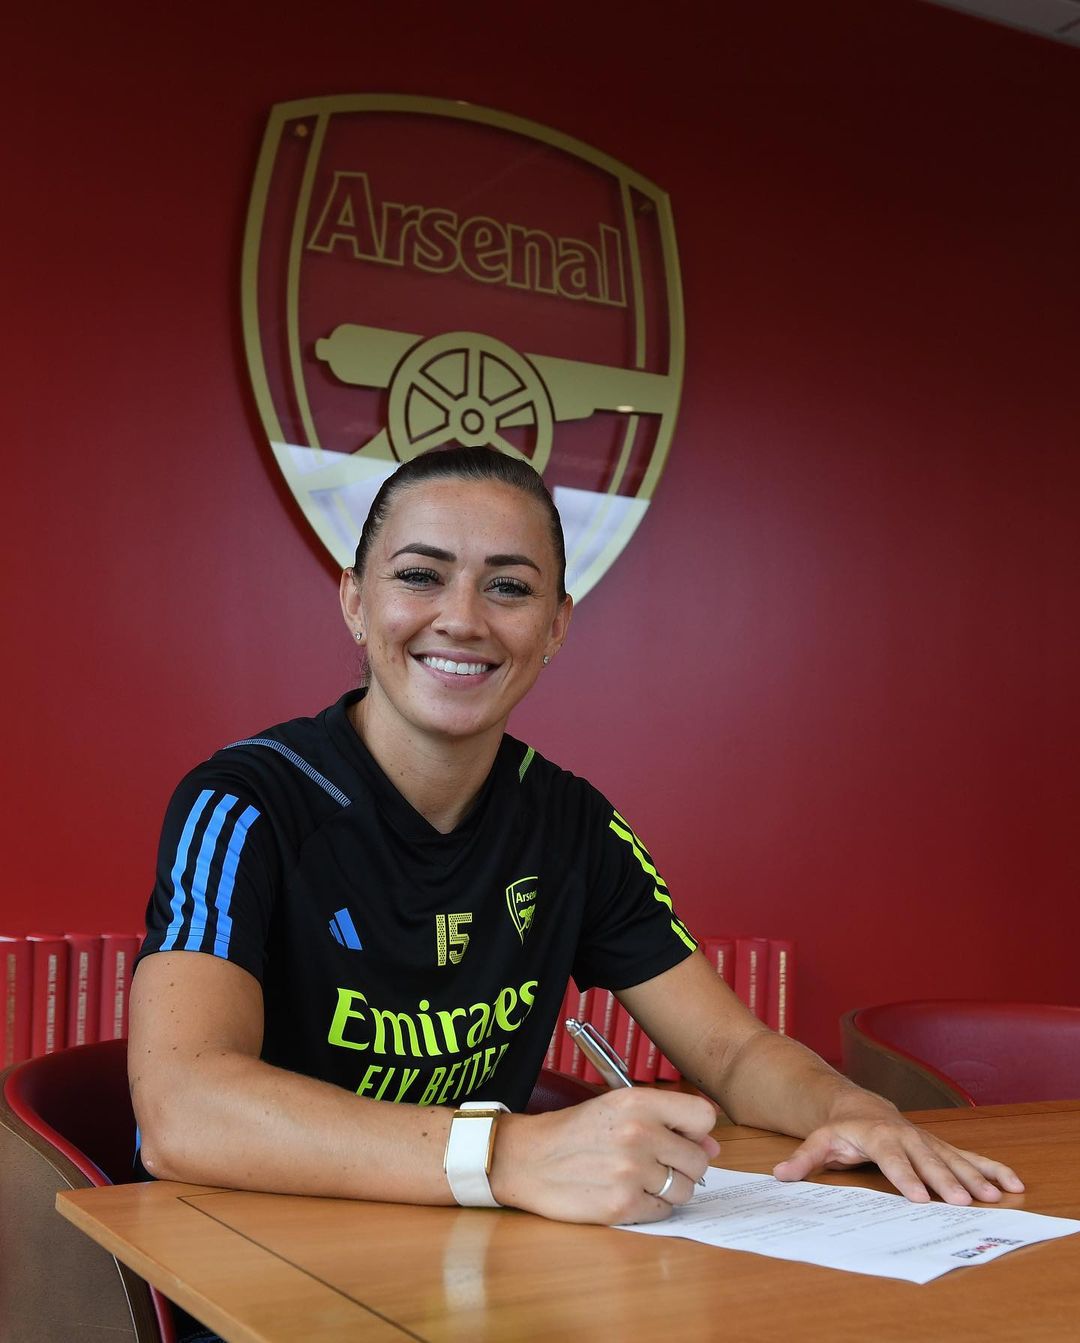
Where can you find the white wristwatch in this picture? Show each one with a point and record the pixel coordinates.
(468, 1152)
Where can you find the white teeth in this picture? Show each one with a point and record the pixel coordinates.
(458, 668)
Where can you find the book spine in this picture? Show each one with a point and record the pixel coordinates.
(117, 957)
(48, 1011)
(602, 1016)
(624, 1037)
(752, 972)
(781, 985)
(633, 1039)
(571, 1059)
(551, 1058)
(84, 987)
(666, 1070)
(16, 978)
(720, 953)
(646, 1059)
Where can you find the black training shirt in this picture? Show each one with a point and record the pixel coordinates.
(396, 961)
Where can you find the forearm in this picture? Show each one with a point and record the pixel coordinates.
(232, 1120)
(211, 1111)
(244, 1124)
(774, 1082)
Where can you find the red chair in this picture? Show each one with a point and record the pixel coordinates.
(926, 1054)
(66, 1123)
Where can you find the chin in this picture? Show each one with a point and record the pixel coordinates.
(459, 728)
(452, 720)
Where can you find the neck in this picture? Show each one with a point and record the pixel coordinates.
(439, 776)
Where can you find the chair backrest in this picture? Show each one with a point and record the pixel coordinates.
(982, 1053)
(891, 1073)
(556, 1091)
(66, 1123)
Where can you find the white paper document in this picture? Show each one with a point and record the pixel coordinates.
(855, 1229)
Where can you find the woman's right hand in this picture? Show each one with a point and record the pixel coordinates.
(605, 1159)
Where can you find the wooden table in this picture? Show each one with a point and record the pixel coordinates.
(270, 1268)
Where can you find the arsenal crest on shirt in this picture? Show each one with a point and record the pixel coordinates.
(419, 272)
(521, 902)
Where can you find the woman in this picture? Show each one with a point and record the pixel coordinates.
(387, 900)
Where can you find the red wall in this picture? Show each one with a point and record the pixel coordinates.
(833, 679)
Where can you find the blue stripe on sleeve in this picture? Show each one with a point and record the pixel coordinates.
(176, 904)
(197, 927)
(243, 824)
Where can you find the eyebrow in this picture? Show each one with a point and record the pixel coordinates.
(448, 557)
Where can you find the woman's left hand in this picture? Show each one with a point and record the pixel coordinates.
(916, 1162)
(769, 1081)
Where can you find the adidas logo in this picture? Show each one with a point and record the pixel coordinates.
(343, 931)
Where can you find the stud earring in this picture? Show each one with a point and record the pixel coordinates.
(358, 635)
(546, 659)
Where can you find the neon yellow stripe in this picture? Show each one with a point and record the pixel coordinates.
(627, 835)
(527, 760)
(683, 935)
(635, 843)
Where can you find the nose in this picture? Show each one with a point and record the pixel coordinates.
(461, 614)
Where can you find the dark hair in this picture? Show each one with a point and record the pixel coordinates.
(462, 463)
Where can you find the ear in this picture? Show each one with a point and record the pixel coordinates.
(559, 626)
(352, 607)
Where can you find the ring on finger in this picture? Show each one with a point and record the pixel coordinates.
(667, 1183)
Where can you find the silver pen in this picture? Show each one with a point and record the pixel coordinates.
(601, 1055)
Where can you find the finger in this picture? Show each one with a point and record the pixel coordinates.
(693, 1116)
(669, 1134)
(937, 1168)
(894, 1164)
(809, 1156)
(668, 1176)
(973, 1173)
(685, 1157)
(668, 1181)
(1003, 1176)
(679, 1190)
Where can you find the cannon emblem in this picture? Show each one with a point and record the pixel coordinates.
(418, 273)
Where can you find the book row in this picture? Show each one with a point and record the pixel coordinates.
(73, 990)
(759, 969)
(59, 991)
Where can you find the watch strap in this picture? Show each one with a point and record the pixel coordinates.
(469, 1148)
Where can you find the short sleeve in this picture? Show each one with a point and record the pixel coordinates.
(216, 875)
(631, 932)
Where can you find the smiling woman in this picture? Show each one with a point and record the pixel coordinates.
(457, 595)
(365, 919)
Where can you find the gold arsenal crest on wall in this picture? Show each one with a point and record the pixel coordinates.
(419, 272)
